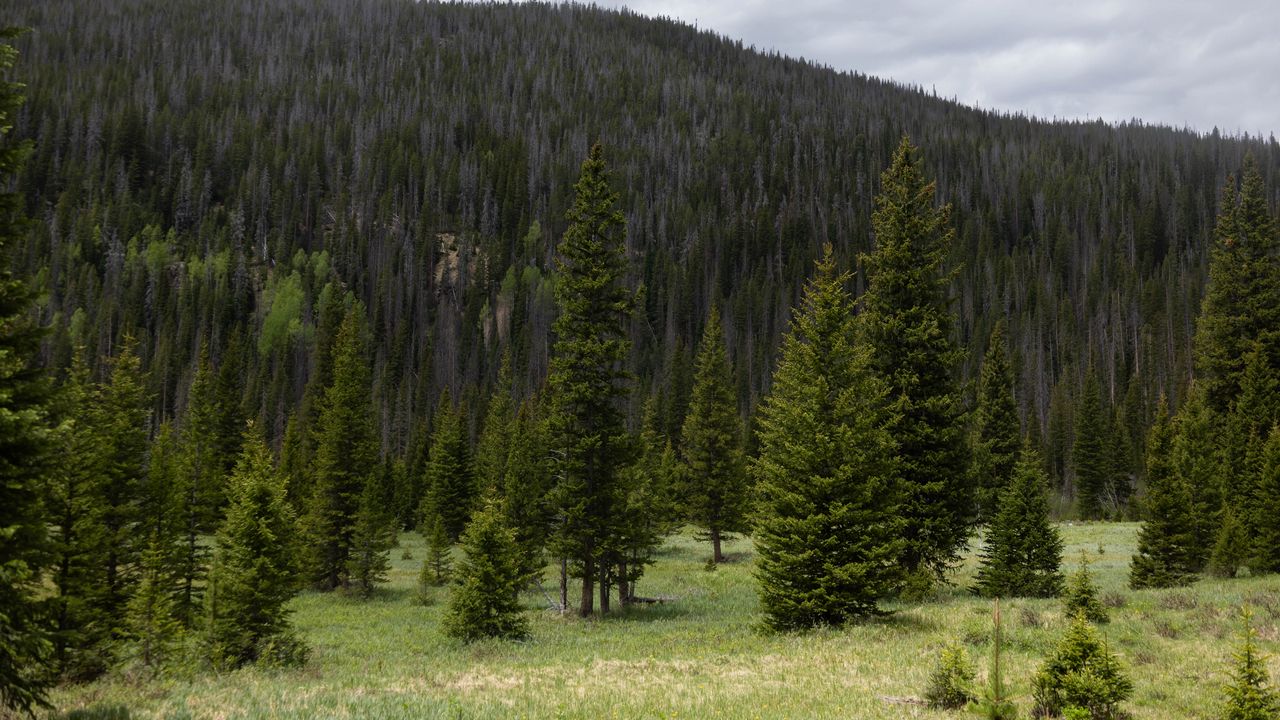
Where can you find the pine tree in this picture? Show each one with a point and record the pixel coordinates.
(201, 490)
(484, 602)
(1231, 546)
(25, 441)
(1249, 696)
(450, 480)
(255, 568)
(437, 565)
(120, 415)
(1089, 452)
(1196, 458)
(1081, 596)
(80, 631)
(1023, 554)
(587, 381)
(1266, 510)
(151, 612)
(716, 495)
(996, 428)
(1164, 558)
(995, 703)
(493, 448)
(1241, 308)
(1081, 675)
(345, 454)
(828, 529)
(908, 323)
(527, 484)
(371, 542)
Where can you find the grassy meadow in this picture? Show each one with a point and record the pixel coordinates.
(702, 654)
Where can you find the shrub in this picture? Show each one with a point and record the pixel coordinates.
(1082, 675)
(950, 685)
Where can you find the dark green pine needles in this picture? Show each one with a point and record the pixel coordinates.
(1165, 556)
(485, 601)
(1023, 553)
(828, 530)
(1249, 695)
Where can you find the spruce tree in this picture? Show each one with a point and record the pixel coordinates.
(80, 630)
(484, 603)
(1241, 307)
(119, 416)
(25, 441)
(437, 566)
(450, 480)
(201, 490)
(1196, 458)
(587, 382)
(1089, 452)
(151, 612)
(1249, 695)
(1081, 595)
(1023, 553)
(996, 428)
(1082, 675)
(907, 321)
(828, 530)
(525, 490)
(1165, 557)
(254, 572)
(371, 542)
(716, 489)
(345, 454)
(493, 447)
(1265, 533)
(1230, 546)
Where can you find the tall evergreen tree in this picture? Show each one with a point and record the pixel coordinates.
(525, 491)
(25, 437)
(493, 447)
(1089, 455)
(716, 490)
(151, 618)
(450, 478)
(1241, 307)
(996, 428)
(1197, 459)
(1165, 557)
(255, 568)
(907, 321)
(120, 417)
(345, 455)
(1023, 554)
(484, 603)
(1265, 531)
(588, 380)
(201, 489)
(371, 541)
(828, 531)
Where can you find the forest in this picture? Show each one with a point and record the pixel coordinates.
(505, 307)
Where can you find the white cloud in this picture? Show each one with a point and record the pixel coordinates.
(1176, 63)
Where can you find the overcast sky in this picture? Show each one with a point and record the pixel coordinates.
(1181, 63)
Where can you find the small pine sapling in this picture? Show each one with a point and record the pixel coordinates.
(950, 685)
(438, 566)
(995, 703)
(1249, 695)
(1081, 597)
(484, 603)
(1082, 675)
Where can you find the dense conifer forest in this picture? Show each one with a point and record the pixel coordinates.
(287, 286)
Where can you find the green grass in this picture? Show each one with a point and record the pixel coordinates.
(702, 655)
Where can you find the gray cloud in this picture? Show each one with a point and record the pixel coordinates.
(1178, 63)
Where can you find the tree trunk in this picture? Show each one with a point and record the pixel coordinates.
(716, 556)
(588, 589)
(564, 585)
(624, 593)
(604, 588)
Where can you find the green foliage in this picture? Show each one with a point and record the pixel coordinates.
(283, 322)
(1196, 457)
(201, 484)
(1165, 557)
(255, 568)
(1089, 453)
(1266, 510)
(485, 602)
(907, 321)
(493, 448)
(716, 491)
(437, 566)
(345, 452)
(1081, 596)
(588, 379)
(371, 542)
(25, 439)
(527, 482)
(450, 480)
(1231, 546)
(1082, 674)
(996, 428)
(828, 529)
(1249, 695)
(1023, 553)
(150, 617)
(951, 682)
